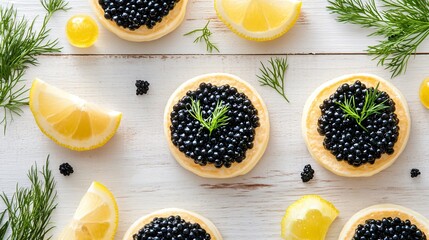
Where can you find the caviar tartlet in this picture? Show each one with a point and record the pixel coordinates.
(173, 223)
(236, 146)
(140, 20)
(361, 146)
(386, 221)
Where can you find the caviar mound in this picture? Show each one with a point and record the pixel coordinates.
(315, 141)
(261, 133)
(143, 34)
(381, 211)
(187, 216)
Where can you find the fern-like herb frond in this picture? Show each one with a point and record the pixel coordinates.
(402, 24)
(216, 120)
(369, 108)
(274, 75)
(205, 36)
(29, 210)
(20, 44)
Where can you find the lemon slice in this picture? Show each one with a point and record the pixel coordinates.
(96, 217)
(259, 20)
(309, 218)
(69, 120)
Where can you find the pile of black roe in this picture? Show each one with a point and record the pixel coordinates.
(171, 228)
(307, 173)
(142, 87)
(415, 172)
(66, 169)
(348, 141)
(227, 144)
(388, 229)
(133, 14)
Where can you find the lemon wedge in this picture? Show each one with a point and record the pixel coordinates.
(309, 218)
(424, 93)
(259, 20)
(96, 217)
(69, 120)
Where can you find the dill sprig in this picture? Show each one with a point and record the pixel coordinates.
(217, 119)
(274, 75)
(403, 25)
(29, 210)
(369, 108)
(20, 44)
(205, 36)
(3, 225)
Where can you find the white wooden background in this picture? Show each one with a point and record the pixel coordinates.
(136, 164)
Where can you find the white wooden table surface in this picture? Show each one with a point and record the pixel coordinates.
(136, 164)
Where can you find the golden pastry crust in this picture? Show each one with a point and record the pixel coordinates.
(262, 133)
(379, 212)
(143, 34)
(314, 140)
(184, 214)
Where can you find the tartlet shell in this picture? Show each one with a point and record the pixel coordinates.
(314, 140)
(379, 212)
(262, 133)
(184, 214)
(143, 34)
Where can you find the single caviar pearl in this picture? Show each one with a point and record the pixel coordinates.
(82, 31)
(424, 93)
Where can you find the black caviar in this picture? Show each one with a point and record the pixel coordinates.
(388, 229)
(133, 14)
(225, 145)
(66, 169)
(307, 174)
(171, 228)
(348, 141)
(142, 87)
(415, 172)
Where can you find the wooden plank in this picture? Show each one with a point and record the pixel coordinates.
(137, 166)
(316, 32)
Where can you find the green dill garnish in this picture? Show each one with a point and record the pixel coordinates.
(29, 210)
(402, 24)
(217, 119)
(369, 108)
(274, 75)
(20, 44)
(3, 225)
(205, 36)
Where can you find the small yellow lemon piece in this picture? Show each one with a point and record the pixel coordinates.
(96, 217)
(424, 93)
(259, 20)
(69, 120)
(82, 31)
(309, 218)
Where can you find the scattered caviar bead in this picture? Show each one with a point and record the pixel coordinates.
(132, 14)
(348, 141)
(415, 172)
(171, 228)
(389, 229)
(307, 174)
(225, 145)
(66, 169)
(142, 87)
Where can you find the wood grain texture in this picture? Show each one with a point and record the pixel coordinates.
(315, 32)
(138, 168)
